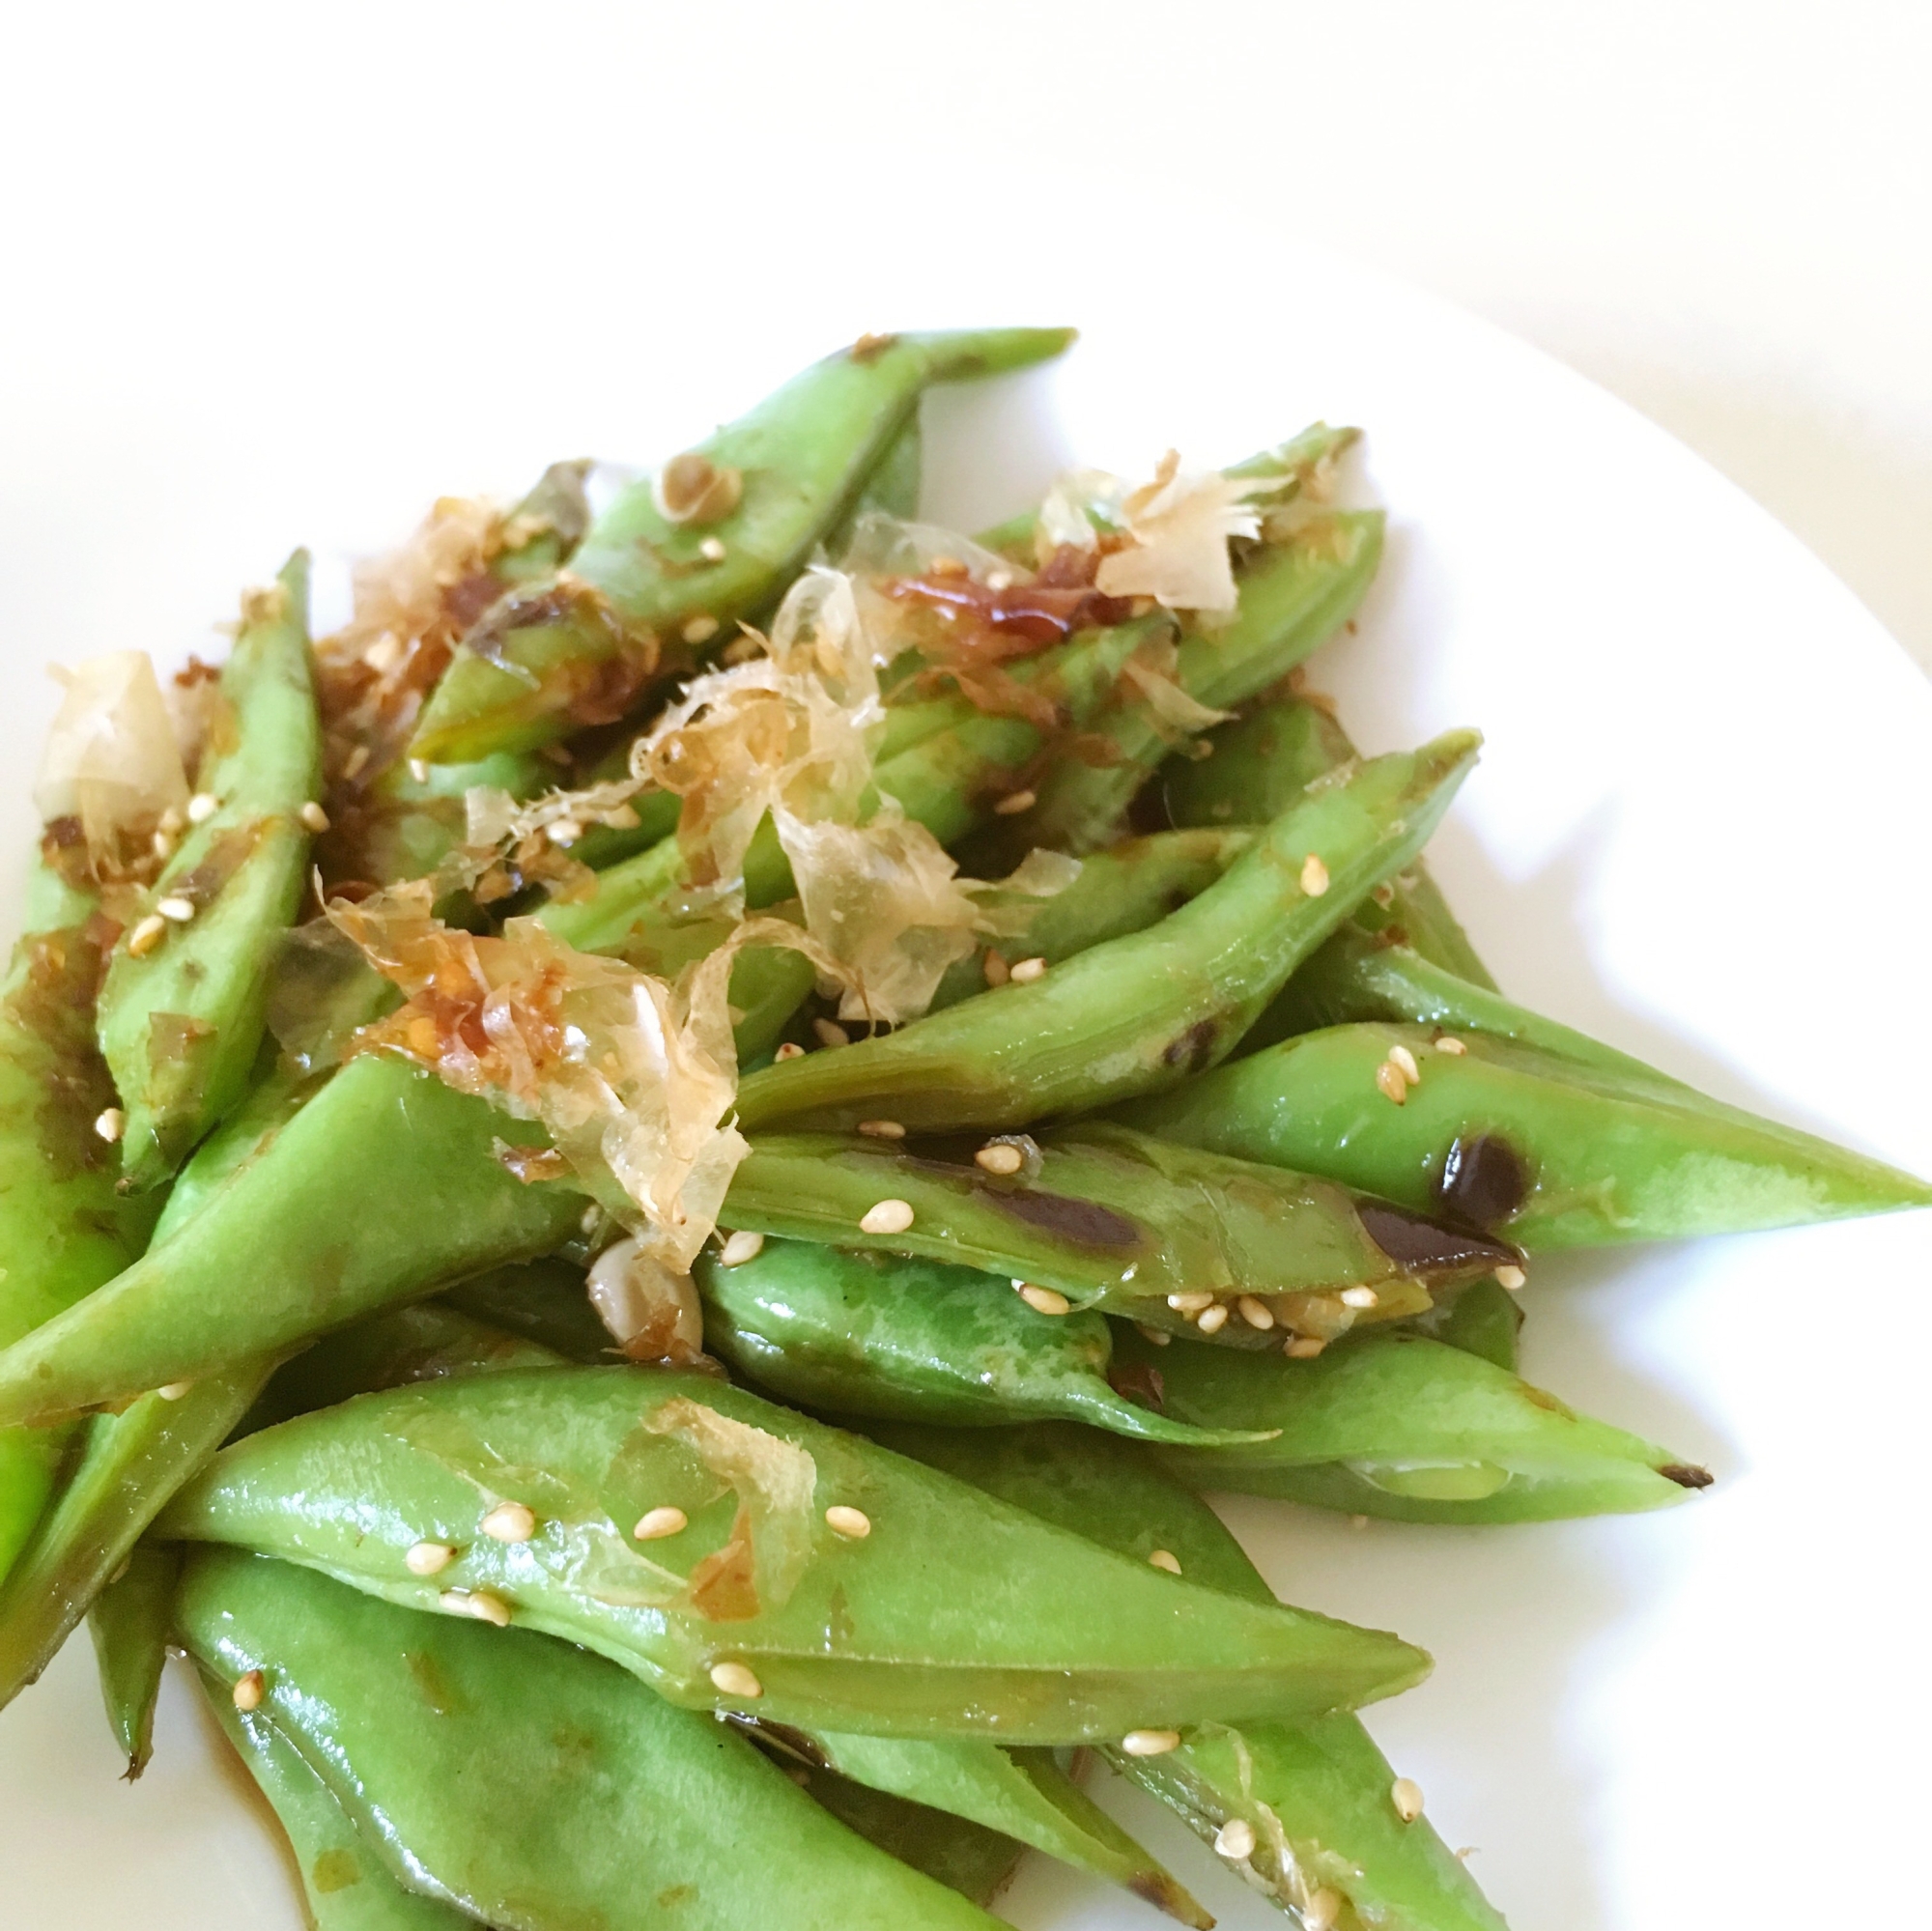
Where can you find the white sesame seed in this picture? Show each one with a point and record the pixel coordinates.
(1255, 1312)
(478, 1604)
(428, 1558)
(790, 1050)
(249, 1689)
(163, 844)
(1214, 1318)
(1192, 1301)
(831, 1032)
(1510, 1277)
(110, 1123)
(711, 549)
(385, 654)
(996, 968)
(889, 1216)
(593, 1214)
(882, 1130)
(357, 759)
(999, 580)
(1314, 876)
(1026, 971)
(1150, 1743)
(1404, 1061)
(314, 816)
(146, 935)
(1304, 1347)
(419, 770)
(699, 630)
(946, 566)
(854, 1525)
(1388, 1077)
(1360, 1297)
(1044, 1300)
(743, 1246)
(202, 806)
(172, 822)
(1406, 1794)
(1000, 1157)
(1449, 1043)
(733, 1678)
(1015, 803)
(178, 911)
(563, 833)
(1154, 1337)
(173, 1391)
(1322, 1909)
(1165, 1558)
(654, 1524)
(510, 1521)
(1236, 1839)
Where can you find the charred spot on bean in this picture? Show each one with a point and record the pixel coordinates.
(1687, 1474)
(1139, 1382)
(1162, 1892)
(1484, 1179)
(1193, 1051)
(1080, 1221)
(1421, 1245)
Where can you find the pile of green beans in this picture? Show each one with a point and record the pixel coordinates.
(1217, 1168)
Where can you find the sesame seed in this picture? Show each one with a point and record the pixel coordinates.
(357, 759)
(428, 1558)
(173, 1391)
(202, 806)
(1256, 1312)
(172, 822)
(831, 1032)
(1388, 1077)
(110, 1123)
(248, 1692)
(1000, 1156)
(419, 770)
(1384, 894)
(1510, 1277)
(1404, 1061)
(593, 1214)
(946, 566)
(1406, 1794)
(1214, 1318)
(889, 1216)
(1449, 1043)
(657, 1523)
(999, 580)
(510, 1521)
(314, 816)
(733, 1678)
(1322, 1909)
(1150, 1743)
(996, 969)
(163, 844)
(742, 1246)
(1314, 876)
(790, 1050)
(1026, 971)
(563, 831)
(146, 935)
(1363, 1297)
(882, 1130)
(1192, 1301)
(1044, 1300)
(385, 654)
(1305, 1348)
(711, 549)
(854, 1525)
(699, 630)
(1015, 803)
(1165, 1558)
(1154, 1337)
(477, 1604)
(178, 911)
(1235, 1839)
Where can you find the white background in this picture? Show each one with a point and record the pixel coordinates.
(284, 275)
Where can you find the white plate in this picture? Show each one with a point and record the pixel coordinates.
(1700, 830)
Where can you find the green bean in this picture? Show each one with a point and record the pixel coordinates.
(129, 1622)
(543, 1301)
(1397, 1425)
(1543, 1152)
(1137, 1015)
(907, 1340)
(1484, 1319)
(952, 1617)
(581, 650)
(963, 1856)
(1314, 1797)
(181, 1007)
(527, 1783)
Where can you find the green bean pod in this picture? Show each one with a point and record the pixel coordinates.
(753, 1600)
(1485, 1319)
(907, 1340)
(541, 1301)
(1397, 1425)
(1117, 1221)
(1137, 1015)
(182, 1017)
(129, 1622)
(1543, 1152)
(582, 648)
(963, 1856)
(1315, 1798)
(524, 1783)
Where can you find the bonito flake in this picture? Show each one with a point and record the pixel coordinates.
(1180, 526)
